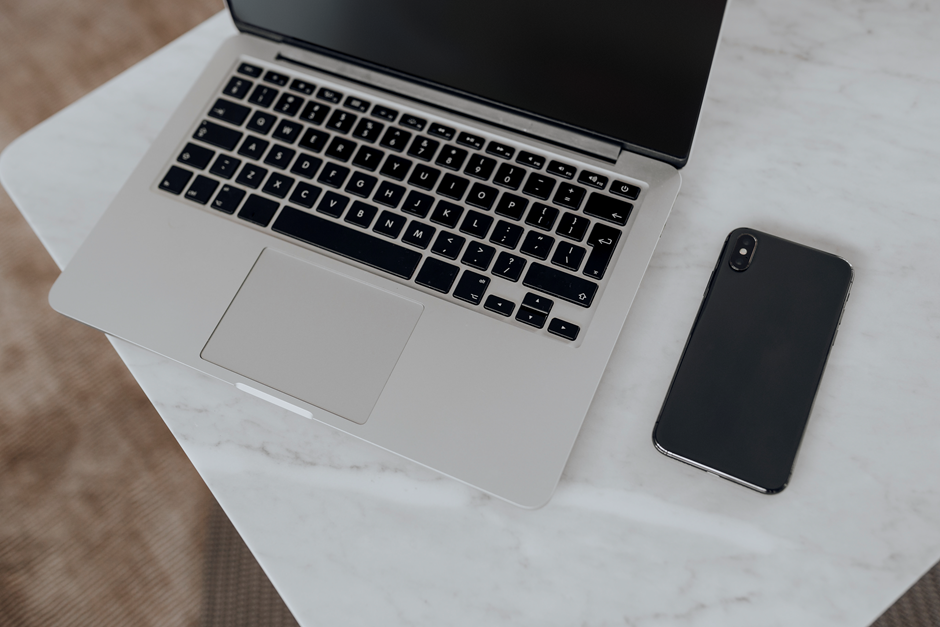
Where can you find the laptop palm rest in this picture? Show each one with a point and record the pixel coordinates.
(313, 334)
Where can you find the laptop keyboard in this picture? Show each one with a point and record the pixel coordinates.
(464, 217)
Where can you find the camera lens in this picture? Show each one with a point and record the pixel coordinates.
(743, 253)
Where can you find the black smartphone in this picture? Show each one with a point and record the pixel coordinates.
(744, 388)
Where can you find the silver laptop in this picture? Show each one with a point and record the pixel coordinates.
(420, 223)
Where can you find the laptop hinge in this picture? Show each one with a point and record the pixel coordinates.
(565, 137)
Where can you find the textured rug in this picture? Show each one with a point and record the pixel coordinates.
(103, 521)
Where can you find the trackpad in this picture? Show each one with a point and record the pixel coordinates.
(319, 336)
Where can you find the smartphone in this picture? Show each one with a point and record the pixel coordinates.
(743, 391)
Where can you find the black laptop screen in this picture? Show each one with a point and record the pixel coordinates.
(628, 70)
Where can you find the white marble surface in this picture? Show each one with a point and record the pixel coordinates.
(822, 124)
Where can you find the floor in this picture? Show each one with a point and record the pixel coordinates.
(103, 520)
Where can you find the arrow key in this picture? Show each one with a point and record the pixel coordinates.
(564, 329)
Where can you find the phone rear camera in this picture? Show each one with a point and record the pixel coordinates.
(743, 252)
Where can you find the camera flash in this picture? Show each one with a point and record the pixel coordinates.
(743, 251)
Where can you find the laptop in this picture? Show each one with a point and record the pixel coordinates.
(421, 223)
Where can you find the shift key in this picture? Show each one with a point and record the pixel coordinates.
(566, 286)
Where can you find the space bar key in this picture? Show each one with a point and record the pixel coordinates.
(347, 242)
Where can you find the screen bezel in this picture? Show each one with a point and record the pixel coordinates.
(677, 161)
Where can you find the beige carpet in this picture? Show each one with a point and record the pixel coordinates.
(103, 520)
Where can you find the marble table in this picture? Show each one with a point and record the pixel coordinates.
(822, 124)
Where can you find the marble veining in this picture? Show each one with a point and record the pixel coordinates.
(822, 124)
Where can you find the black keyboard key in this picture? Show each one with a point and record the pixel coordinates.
(280, 156)
(258, 210)
(563, 170)
(237, 87)
(507, 234)
(313, 139)
(333, 204)
(539, 185)
(531, 160)
(390, 224)
(509, 175)
(593, 180)
(624, 189)
(607, 208)
(329, 95)
(542, 216)
(229, 111)
(564, 329)
(263, 95)
(340, 149)
(306, 165)
(333, 175)
(476, 224)
(423, 148)
(261, 122)
(471, 141)
(342, 121)
(201, 190)
(572, 226)
(500, 150)
(288, 104)
(348, 242)
(305, 195)
(531, 317)
(451, 157)
(314, 112)
(278, 185)
(500, 305)
(251, 175)
(276, 78)
(368, 158)
(368, 130)
(396, 167)
(482, 196)
(417, 204)
(439, 130)
(217, 135)
(565, 286)
(389, 194)
(447, 214)
(568, 256)
(227, 199)
(361, 214)
(361, 184)
(603, 240)
(302, 86)
(511, 206)
(395, 139)
(478, 255)
(569, 196)
(418, 234)
(195, 156)
(385, 113)
(471, 287)
(509, 267)
(448, 245)
(538, 303)
(249, 70)
(356, 103)
(537, 245)
(437, 275)
(424, 177)
(225, 166)
(480, 167)
(253, 147)
(287, 131)
(453, 186)
(412, 122)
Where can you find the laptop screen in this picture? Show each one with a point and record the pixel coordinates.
(630, 71)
